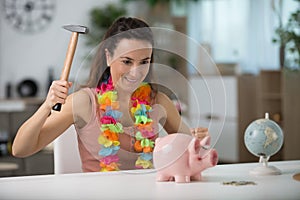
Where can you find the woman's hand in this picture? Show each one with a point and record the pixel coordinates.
(58, 92)
(199, 132)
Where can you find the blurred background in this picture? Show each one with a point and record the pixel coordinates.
(254, 45)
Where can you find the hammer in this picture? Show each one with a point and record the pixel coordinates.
(75, 29)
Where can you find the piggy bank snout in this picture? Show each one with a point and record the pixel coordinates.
(210, 157)
(213, 157)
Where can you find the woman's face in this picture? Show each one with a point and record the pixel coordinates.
(129, 63)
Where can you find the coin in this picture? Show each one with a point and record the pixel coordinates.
(296, 177)
(239, 183)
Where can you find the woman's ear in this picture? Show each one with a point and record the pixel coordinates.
(108, 57)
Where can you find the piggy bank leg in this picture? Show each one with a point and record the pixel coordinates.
(182, 179)
(162, 177)
(196, 177)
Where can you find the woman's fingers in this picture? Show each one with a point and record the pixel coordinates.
(199, 129)
(199, 132)
(58, 92)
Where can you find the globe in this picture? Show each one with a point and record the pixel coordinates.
(263, 138)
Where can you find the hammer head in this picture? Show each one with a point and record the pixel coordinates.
(76, 28)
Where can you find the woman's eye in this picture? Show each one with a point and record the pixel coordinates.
(144, 62)
(126, 62)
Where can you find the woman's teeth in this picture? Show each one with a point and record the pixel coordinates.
(130, 79)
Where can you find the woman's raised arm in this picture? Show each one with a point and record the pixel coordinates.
(43, 126)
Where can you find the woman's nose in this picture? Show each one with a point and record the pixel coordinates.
(134, 70)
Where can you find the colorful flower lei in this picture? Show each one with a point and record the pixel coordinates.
(111, 126)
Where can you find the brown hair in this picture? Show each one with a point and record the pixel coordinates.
(124, 27)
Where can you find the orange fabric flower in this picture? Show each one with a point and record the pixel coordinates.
(111, 167)
(107, 103)
(147, 126)
(111, 135)
(102, 165)
(143, 93)
(137, 146)
(147, 149)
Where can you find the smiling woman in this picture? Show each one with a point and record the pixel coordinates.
(116, 114)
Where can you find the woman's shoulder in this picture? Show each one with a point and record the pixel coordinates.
(83, 105)
(83, 95)
(83, 99)
(162, 98)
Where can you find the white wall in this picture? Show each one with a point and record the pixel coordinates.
(239, 31)
(30, 55)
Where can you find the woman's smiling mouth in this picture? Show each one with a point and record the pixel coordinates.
(131, 80)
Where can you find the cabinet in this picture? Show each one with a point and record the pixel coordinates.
(277, 93)
(37, 164)
(291, 114)
(259, 94)
(247, 112)
(12, 114)
(212, 103)
(269, 94)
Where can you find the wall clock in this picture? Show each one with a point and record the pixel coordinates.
(29, 15)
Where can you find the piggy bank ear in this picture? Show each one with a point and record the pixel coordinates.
(205, 141)
(194, 146)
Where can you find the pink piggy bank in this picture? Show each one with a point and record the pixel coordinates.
(182, 158)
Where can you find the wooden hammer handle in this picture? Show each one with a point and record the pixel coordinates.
(68, 63)
(69, 57)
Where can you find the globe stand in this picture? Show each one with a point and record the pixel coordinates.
(264, 168)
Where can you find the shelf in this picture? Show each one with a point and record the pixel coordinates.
(19, 105)
(12, 106)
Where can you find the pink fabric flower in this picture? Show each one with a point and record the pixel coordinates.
(107, 86)
(147, 134)
(108, 120)
(109, 159)
(97, 89)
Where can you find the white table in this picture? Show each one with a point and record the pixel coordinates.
(140, 185)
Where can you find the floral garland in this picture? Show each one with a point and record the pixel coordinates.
(111, 126)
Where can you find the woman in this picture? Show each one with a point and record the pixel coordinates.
(116, 115)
